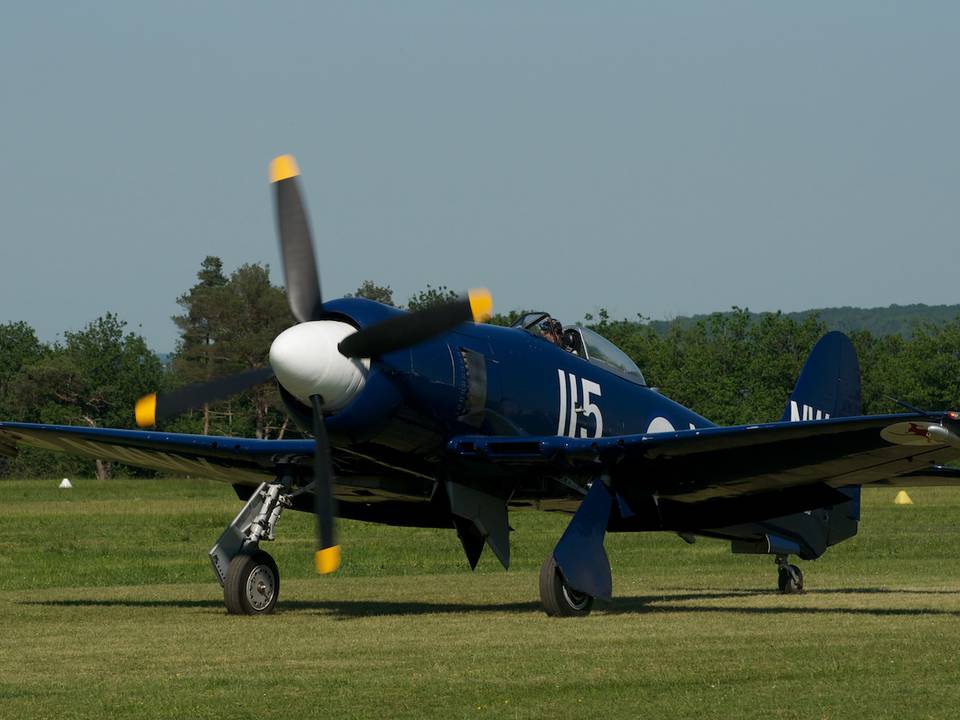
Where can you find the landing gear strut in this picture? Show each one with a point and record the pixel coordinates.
(558, 598)
(249, 576)
(789, 577)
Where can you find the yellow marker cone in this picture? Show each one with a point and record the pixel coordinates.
(902, 498)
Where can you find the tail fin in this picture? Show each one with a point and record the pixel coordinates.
(829, 387)
(829, 384)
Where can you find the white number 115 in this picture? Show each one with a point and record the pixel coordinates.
(570, 407)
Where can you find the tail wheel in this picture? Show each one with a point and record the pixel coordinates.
(252, 585)
(558, 598)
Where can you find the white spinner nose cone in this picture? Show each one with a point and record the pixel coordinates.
(306, 362)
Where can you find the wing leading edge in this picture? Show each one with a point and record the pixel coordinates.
(233, 460)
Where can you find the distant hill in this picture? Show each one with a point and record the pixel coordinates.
(892, 320)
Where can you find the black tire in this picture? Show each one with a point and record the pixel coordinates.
(790, 580)
(252, 585)
(558, 598)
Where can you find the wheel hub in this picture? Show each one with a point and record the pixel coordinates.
(260, 587)
(576, 600)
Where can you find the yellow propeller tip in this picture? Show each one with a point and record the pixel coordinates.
(481, 304)
(145, 411)
(327, 560)
(283, 167)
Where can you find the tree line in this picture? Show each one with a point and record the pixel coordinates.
(732, 367)
(891, 320)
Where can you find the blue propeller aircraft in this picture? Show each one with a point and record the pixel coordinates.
(429, 419)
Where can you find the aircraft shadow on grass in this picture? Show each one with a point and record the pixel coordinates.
(626, 605)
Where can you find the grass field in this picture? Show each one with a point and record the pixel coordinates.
(110, 610)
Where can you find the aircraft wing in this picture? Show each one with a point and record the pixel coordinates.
(686, 466)
(715, 463)
(232, 460)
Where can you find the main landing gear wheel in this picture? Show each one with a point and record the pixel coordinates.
(252, 585)
(790, 580)
(558, 598)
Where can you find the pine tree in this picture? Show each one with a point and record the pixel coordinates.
(195, 359)
(227, 327)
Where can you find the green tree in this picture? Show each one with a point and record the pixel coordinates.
(885, 372)
(195, 359)
(430, 297)
(730, 367)
(934, 373)
(19, 348)
(778, 347)
(227, 327)
(370, 290)
(252, 313)
(94, 378)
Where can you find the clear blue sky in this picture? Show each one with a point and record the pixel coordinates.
(663, 158)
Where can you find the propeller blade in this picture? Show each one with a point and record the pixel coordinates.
(296, 245)
(157, 407)
(327, 556)
(402, 331)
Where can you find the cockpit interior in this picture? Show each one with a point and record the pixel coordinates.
(583, 342)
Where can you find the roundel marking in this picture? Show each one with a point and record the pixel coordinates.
(659, 425)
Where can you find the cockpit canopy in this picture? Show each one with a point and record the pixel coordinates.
(584, 342)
